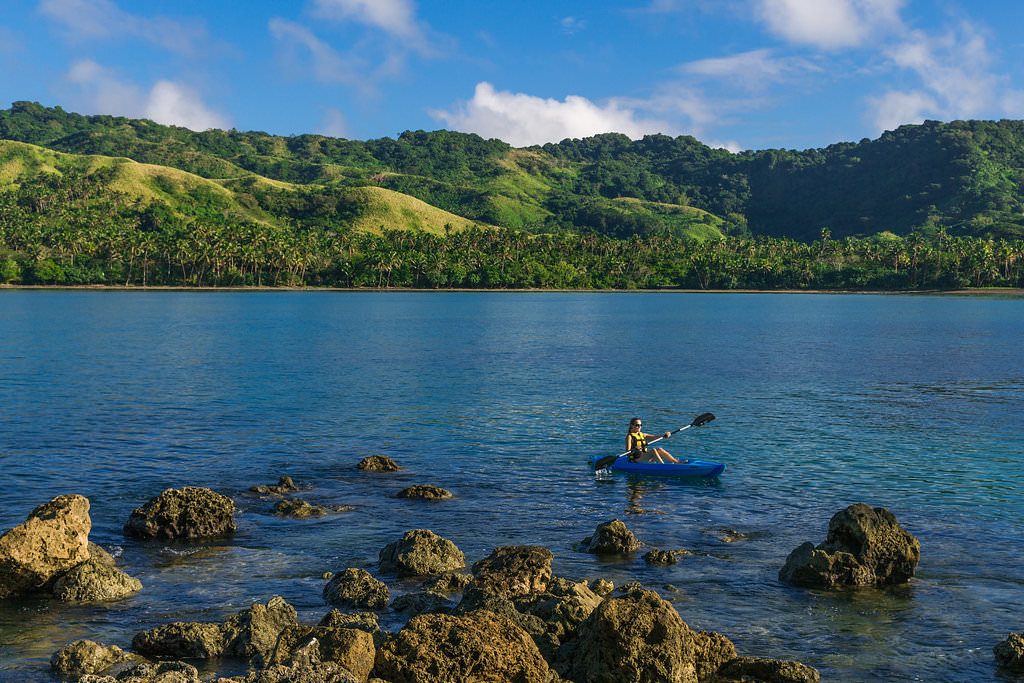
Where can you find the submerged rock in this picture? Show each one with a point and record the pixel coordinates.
(356, 588)
(95, 581)
(744, 669)
(283, 485)
(479, 646)
(865, 546)
(611, 538)
(425, 492)
(86, 657)
(378, 463)
(1010, 653)
(189, 512)
(421, 552)
(53, 539)
(664, 557)
(301, 509)
(514, 570)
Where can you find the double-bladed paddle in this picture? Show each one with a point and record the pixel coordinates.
(607, 461)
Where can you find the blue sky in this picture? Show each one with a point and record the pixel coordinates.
(742, 74)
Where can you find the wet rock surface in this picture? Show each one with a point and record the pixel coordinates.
(664, 557)
(301, 509)
(284, 485)
(425, 492)
(756, 669)
(186, 513)
(86, 657)
(480, 646)
(421, 552)
(1010, 653)
(95, 581)
(356, 588)
(865, 546)
(378, 463)
(514, 570)
(611, 538)
(53, 539)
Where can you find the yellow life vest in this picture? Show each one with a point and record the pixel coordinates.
(639, 444)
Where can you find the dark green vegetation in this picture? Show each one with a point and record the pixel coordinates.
(100, 199)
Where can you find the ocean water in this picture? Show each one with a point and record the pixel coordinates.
(914, 403)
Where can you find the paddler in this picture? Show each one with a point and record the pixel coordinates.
(636, 444)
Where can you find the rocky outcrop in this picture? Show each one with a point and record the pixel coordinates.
(1010, 653)
(301, 509)
(602, 587)
(181, 639)
(865, 546)
(185, 513)
(422, 601)
(364, 621)
(638, 637)
(480, 646)
(561, 608)
(611, 538)
(421, 552)
(425, 492)
(514, 570)
(351, 649)
(284, 485)
(710, 651)
(86, 657)
(747, 669)
(378, 463)
(664, 557)
(148, 672)
(53, 539)
(253, 633)
(451, 582)
(95, 581)
(356, 588)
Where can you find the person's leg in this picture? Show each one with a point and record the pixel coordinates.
(665, 456)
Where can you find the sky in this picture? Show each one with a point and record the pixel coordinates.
(739, 74)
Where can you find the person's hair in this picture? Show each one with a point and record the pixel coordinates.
(633, 419)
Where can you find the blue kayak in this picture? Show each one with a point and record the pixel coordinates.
(693, 468)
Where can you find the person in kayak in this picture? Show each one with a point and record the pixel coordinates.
(636, 444)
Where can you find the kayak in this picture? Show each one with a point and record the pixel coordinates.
(693, 468)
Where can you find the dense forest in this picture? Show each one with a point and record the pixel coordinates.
(108, 200)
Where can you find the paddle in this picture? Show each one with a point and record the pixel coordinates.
(607, 461)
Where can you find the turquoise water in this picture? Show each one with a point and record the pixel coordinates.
(915, 403)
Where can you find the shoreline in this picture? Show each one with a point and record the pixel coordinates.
(979, 291)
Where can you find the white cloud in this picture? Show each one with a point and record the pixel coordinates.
(334, 124)
(572, 25)
(828, 24)
(753, 70)
(956, 80)
(521, 119)
(103, 20)
(167, 102)
(326, 63)
(395, 17)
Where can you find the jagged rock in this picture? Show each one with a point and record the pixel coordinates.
(710, 651)
(378, 463)
(1010, 653)
(638, 637)
(425, 492)
(351, 648)
(663, 557)
(301, 509)
(480, 646)
(356, 588)
(86, 657)
(514, 570)
(184, 639)
(452, 582)
(602, 587)
(283, 485)
(95, 581)
(611, 538)
(757, 670)
(864, 546)
(630, 587)
(148, 672)
(562, 608)
(99, 555)
(253, 632)
(421, 552)
(422, 601)
(731, 535)
(364, 621)
(189, 512)
(53, 539)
